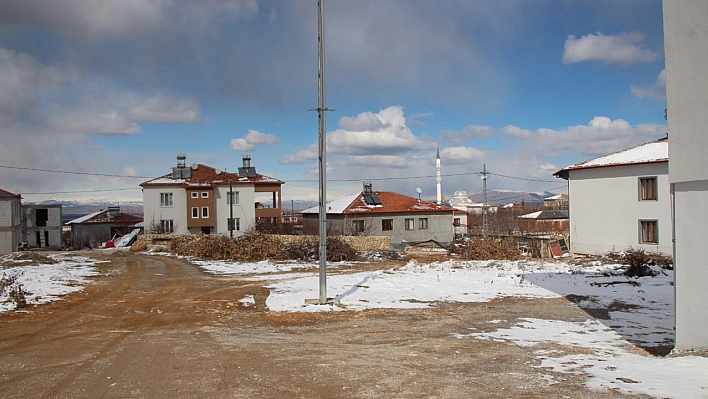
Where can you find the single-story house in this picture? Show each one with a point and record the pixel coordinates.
(99, 227)
(383, 213)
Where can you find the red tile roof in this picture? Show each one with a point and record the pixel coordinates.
(394, 203)
(206, 176)
(4, 193)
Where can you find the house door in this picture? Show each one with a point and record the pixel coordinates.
(46, 238)
(206, 229)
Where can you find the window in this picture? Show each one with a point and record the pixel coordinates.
(205, 194)
(423, 223)
(234, 226)
(40, 217)
(387, 224)
(165, 199)
(358, 226)
(456, 221)
(167, 226)
(235, 198)
(195, 212)
(647, 188)
(205, 211)
(409, 224)
(650, 233)
(195, 194)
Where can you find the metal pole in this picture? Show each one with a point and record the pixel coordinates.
(322, 135)
(485, 222)
(231, 207)
(321, 141)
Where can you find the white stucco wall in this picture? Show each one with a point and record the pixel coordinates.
(686, 51)
(605, 210)
(153, 212)
(245, 210)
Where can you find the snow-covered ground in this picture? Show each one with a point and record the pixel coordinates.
(43, 283)
(627, 313)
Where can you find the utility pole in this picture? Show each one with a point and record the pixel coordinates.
(322, 134)
(231, 207)
(485, 222)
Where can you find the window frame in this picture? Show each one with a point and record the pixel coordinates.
(358, 225)
(205, 194)
(422, 223)
(649, 232)
(195, 194)
(236, 227)
(386, 224)
(409, 224)
(648, 188)
(205, 212)
(236, 198)
(195, 212)
(166, 200)
(167, 225)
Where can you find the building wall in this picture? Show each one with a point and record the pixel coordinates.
(440, 226)
(153, 212)
(10, 224)
(245, 210)
(605, 210)
(686, 50)
(53, 227)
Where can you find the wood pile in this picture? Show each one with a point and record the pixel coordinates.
(639, 262)
(485, 249)
(256, 246)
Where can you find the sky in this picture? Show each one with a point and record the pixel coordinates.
(109, 92)
(600, 349)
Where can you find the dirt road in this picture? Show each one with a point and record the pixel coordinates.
(158, 327)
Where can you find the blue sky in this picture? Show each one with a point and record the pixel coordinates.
(120, 87)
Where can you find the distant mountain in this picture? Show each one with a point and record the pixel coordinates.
(504, 197)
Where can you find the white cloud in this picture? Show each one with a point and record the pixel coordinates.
(383, 133)
(165, 109)
(247, 143)
(600, 136)
(308, 155)
(240, 144)
(624, 49)
(461, 155)
(91, 120)
(656, 90)
(256, 137)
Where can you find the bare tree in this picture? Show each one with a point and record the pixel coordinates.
(359, 227)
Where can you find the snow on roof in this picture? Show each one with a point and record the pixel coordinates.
(87, 217)
(533, 215)
(336, 206)
(653, 151)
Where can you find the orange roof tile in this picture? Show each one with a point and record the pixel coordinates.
(394, 203)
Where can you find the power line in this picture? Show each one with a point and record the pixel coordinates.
(84, 191)
(74, 173)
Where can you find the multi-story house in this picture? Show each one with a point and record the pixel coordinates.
(200, 198)
(42, 225)
(10, 221)
(621, 200)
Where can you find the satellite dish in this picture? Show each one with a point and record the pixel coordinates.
(418, 190)
(218, 171)
(195, 166)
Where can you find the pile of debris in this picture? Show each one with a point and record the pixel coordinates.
(485, 249)
(256, 246)
(640, 262)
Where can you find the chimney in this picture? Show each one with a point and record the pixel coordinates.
(247, 170)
